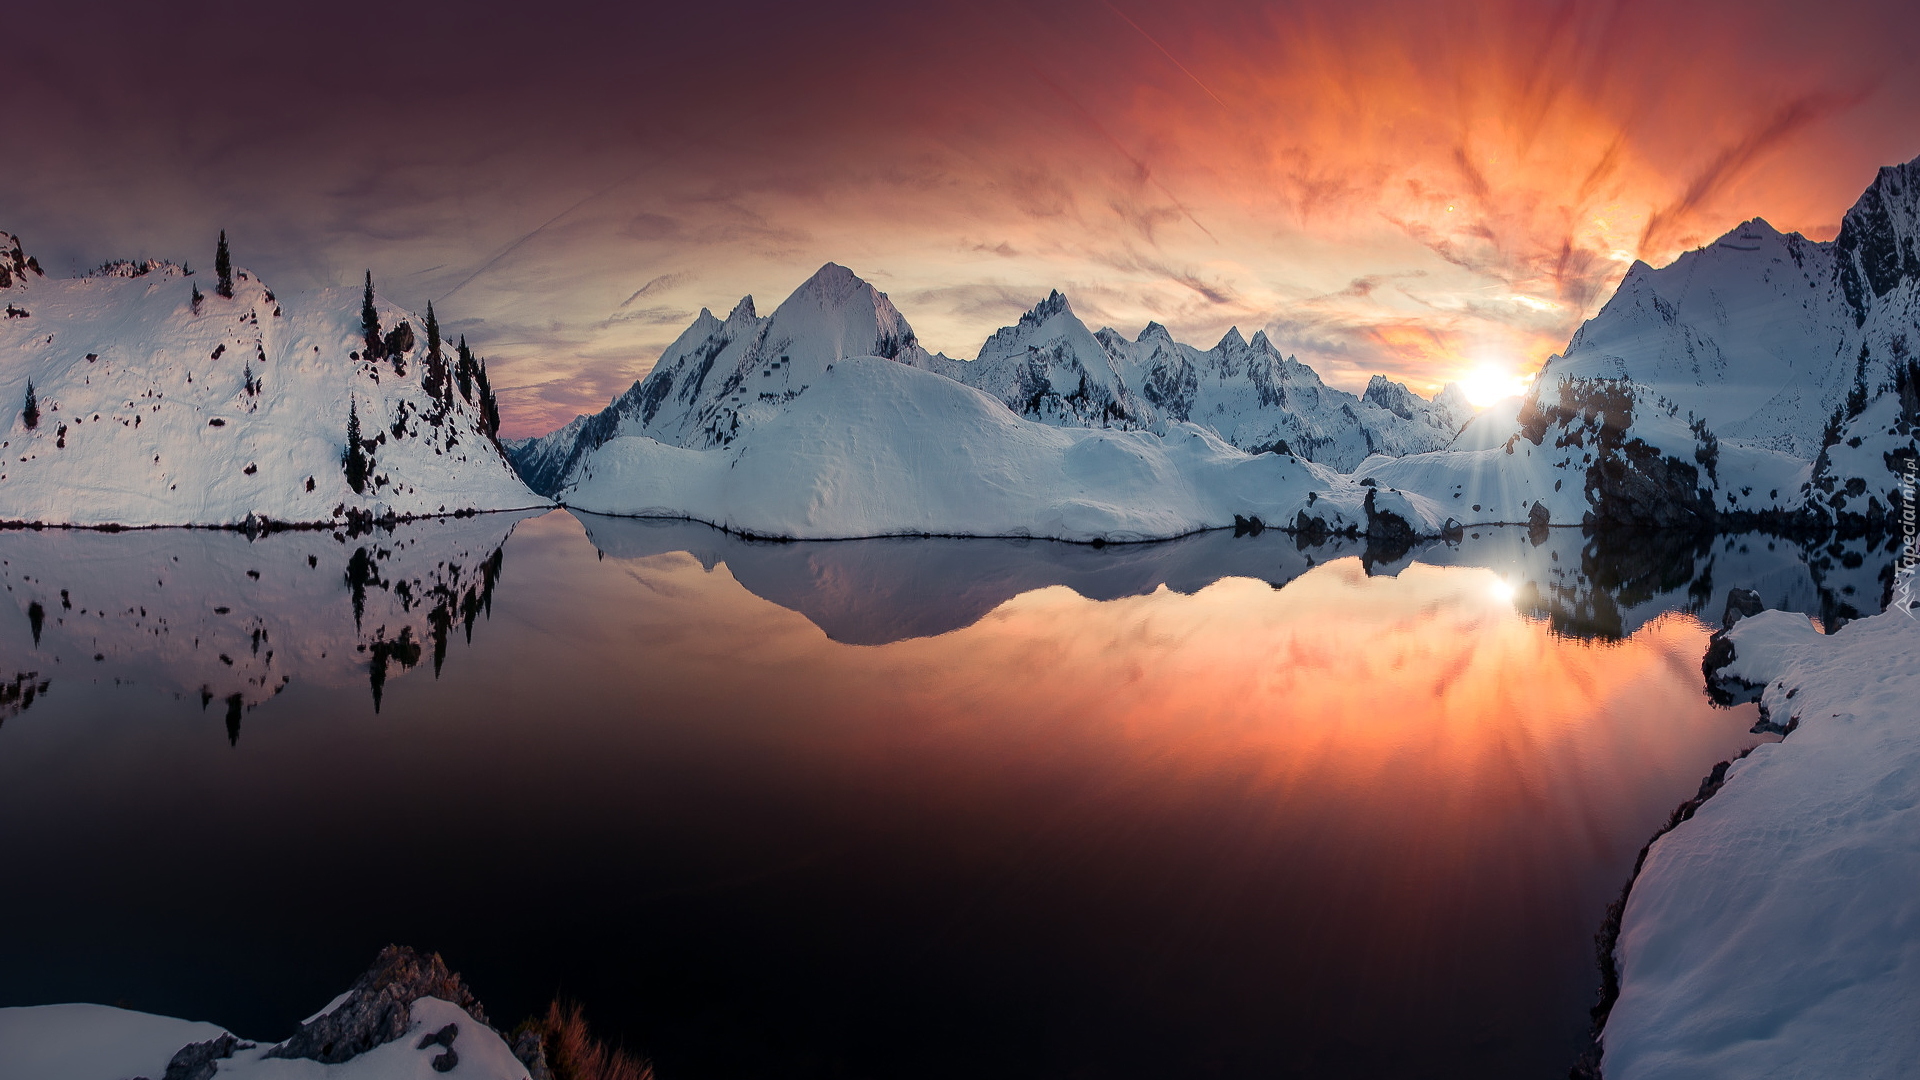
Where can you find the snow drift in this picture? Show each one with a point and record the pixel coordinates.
(1773, 933)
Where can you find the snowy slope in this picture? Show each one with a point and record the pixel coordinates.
(878, 448)
(722, 376)
(153, 412)
(92, 1042)
(1772, 935)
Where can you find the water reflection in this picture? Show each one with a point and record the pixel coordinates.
(220, 616)
(870, 592)
(1223, 806)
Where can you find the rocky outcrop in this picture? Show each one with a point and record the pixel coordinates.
(201, 1060)
(15, 264)
(376, 1010)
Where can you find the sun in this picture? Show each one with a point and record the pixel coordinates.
(1490, 383)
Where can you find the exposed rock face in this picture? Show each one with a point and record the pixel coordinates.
(15, 264)
(531, 1050)
(1741, 604)
(200, 1061)
(1877, 245)
(376, 1009)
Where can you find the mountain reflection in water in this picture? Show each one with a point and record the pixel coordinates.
(1221, 806)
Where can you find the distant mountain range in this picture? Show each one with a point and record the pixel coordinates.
(723, 376)
(1765, 380)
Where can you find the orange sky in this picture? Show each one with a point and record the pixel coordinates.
(1412, 188)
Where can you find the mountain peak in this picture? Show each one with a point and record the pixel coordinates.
(1232, 339)
(1156, 331)
(834, 286)
(1879, 241)
(1054, 304)
(742, 311)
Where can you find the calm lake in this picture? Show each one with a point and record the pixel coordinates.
(1221, 806)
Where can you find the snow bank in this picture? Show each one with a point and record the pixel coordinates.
(877, 448)
(1777, 933)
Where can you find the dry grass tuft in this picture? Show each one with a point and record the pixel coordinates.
(574, 1054)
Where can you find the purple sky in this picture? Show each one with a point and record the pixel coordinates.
(1412, 188)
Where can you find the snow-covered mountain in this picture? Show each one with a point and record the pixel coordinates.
(156, 400)
(723, 376)
(1765, 377)
(878, 448)
(1050, 368)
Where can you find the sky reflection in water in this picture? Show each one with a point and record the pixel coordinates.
(1115, 817)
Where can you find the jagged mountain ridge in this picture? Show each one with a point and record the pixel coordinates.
(722, 375)
(1763, 379)
(1763, 335)
(161, 402)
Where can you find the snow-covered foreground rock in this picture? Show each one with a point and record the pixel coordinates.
(407, 1018)
(878, 448)
(1777, 932)
(723, 377)
(158, 401)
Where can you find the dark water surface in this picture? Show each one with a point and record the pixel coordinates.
(1214, 807)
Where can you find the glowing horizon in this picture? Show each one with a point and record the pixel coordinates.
(1383, 187)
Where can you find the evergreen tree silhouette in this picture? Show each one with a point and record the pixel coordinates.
(463, 369)
(223, 268)
(355, 460)
(489, 408)
(30, 412)
(435, 381)
(370, 323)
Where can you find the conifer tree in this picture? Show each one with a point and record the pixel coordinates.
(30, 412)
(489, 408)
(223, 267)
(463, 369)
(370, 323)
(435, 380)
(356, 456)
(197, 298)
